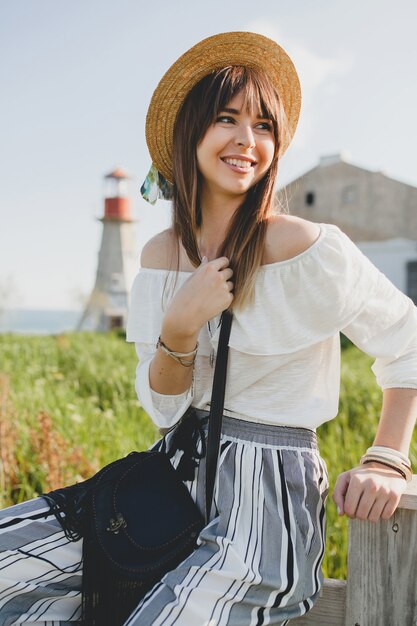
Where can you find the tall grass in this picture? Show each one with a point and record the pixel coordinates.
(68, 406)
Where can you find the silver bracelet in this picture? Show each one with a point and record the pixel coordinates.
(178, 356)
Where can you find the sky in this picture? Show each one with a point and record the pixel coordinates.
(76, 79)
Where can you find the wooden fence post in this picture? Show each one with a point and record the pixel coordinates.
(382, 568)
(381, 589)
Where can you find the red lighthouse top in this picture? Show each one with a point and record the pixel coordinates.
(117, 173)
(117, 205)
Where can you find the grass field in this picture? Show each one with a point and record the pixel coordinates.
(68, 406)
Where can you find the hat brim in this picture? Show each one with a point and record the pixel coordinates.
(214, 53)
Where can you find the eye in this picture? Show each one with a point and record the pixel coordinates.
(264, 126)
(225, 118)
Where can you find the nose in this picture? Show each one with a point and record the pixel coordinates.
(245, 137)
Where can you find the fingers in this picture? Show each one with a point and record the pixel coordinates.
(341, 486)
(381, 508)
(360, 497)
(227, 273)
(368, 494)
(362, 506)
(376, 511)
(220, 263)
(222, 266)
(391, 506)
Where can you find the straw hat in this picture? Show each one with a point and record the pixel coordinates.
(214, 53)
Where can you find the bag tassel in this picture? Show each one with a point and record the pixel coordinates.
(187, 437)
(105, 599)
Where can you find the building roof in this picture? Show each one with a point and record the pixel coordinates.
(118, 172)
(344, 158)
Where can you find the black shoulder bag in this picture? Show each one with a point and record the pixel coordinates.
(136, 517)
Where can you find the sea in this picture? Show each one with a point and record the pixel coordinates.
(38, 321)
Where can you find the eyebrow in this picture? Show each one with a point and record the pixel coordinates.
(237, 112)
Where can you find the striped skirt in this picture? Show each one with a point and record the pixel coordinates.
(258, 560)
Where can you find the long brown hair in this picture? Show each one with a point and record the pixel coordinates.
(244, 241)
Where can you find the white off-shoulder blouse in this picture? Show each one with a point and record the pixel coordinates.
(284, 351)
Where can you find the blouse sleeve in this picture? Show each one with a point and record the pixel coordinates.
(164, 410)
(386, 328)
(144, 324)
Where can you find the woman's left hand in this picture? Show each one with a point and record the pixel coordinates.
(368, 492)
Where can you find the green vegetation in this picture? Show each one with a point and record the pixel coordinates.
(68, 406)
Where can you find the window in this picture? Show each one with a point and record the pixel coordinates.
(115, 321)
(349, 194)
(310, 198)
(116, 281)
(412, 280)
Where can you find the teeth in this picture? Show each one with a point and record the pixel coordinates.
(238, 163)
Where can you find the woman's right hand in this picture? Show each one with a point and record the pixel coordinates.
(205, 294)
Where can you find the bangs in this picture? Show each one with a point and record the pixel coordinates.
(209, 97)
(259, 96)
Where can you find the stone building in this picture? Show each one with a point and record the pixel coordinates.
(374, 210)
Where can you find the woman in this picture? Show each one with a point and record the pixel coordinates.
(218, 123)
(293, 285)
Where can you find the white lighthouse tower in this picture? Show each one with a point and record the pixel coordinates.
(117, 259)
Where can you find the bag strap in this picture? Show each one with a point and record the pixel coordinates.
(216, 408)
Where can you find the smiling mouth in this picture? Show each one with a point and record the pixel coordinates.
(240, 163)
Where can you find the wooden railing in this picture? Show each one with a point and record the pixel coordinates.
(381, 588)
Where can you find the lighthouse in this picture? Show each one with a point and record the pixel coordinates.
(117, 259)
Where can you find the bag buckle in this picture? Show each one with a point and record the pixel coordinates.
(117, 524)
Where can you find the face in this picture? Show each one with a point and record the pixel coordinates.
(236, 151)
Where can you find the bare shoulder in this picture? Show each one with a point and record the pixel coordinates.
(288, 236)
(158, 252)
